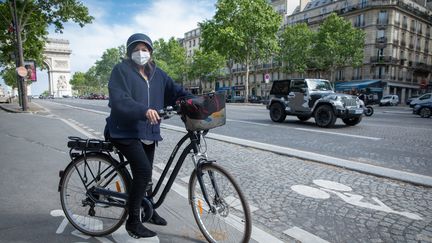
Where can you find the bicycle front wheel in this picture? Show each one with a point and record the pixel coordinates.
(227, 216)
(87, 212)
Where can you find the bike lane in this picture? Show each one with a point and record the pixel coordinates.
(33, 152)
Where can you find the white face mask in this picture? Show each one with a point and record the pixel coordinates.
(140, 57)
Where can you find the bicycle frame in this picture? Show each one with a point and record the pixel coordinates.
(195, 138)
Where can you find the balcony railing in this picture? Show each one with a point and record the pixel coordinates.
(417, 10)
(422, 66)
(382, 23)
(383, 60)
(381, 40)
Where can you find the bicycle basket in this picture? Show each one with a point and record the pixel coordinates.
(203, 112)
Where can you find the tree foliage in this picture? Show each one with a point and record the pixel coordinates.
(338, 44)
(34, 18)
(206, 66)
(242, 31)
(171, 57)
(296, 43)
(26, 23)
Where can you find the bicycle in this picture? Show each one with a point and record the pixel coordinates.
(93, 189)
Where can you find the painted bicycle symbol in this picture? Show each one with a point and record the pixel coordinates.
(118, 236)
(326, 188)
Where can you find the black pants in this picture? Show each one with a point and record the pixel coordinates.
(140, 157)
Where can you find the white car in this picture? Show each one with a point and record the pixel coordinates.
(389, 100)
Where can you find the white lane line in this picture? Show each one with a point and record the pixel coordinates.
(79, 129)
(336, 133)
(257, 234)
(247, 122)
(303, 236)
(306, 129)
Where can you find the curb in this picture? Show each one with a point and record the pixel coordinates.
(416, 179)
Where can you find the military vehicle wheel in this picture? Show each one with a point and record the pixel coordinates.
(277, 113)
(324, 116)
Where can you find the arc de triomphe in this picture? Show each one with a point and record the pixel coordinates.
(57, 59)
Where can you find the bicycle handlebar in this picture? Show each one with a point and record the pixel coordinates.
(168, 112)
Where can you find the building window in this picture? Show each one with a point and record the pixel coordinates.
(363, 3)
(405, 22)
(340, 74)
(194, 42)
(357, 73)
(360, 21)
(382, 17)
(380, 52)
(397, 18)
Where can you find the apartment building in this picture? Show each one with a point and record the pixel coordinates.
(258, 74)
(398, 45)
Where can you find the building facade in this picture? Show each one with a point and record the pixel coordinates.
(398, 45)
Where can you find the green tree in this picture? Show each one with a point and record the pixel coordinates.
(206, 67)
(78, 82)
(9, 77)
(338, 44)
(296, 44)
(242, 31)
(104, 66)
(26, 22)
(171, 57)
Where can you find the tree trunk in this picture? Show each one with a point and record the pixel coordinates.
(20, 57)
(246, 100)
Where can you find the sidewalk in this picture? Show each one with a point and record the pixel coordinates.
(45, 139)
(14, 107)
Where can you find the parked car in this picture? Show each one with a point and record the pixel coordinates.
(235, 99)
(424, 109)
(425, 98)
(408, 101)
(389, 100)
(255, 99)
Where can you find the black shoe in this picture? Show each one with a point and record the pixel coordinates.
(157, 220)
(137, 230)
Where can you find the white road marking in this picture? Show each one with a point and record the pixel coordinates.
(63, 224)
(248, 122)
(339, 134)
(303, 236)
(257, 234)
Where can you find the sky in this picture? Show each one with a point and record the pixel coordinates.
(116, 20)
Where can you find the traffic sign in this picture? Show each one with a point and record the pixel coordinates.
(22, 71)
(266, 78)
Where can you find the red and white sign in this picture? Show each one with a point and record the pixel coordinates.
(266, 77)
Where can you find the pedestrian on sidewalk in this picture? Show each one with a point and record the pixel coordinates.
(137, 89)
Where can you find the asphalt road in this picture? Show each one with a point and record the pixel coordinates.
(291, 199)
(392, 138)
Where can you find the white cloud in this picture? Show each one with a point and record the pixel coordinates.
(160, 19)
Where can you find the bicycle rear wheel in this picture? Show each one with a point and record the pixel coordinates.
(80, 208)
(228, 218)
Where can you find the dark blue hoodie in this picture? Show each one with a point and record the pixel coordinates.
(130, 96)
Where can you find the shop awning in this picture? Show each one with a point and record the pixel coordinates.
(373, 84)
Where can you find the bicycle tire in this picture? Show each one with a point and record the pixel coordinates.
(76, 204)
(229, 223)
